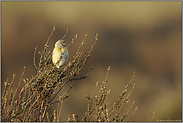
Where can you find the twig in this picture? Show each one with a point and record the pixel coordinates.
(65, 33)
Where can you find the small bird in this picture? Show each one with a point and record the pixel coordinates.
(60, 54)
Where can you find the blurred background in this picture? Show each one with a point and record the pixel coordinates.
(133, 36)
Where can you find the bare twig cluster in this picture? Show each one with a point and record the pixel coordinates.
(30, 103)
(40, 91)
(99, 110)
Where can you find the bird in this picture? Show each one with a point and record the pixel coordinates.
(60, 54)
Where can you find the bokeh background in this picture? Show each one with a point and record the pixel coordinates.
(133, 36)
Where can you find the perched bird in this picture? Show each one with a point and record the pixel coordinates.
(60, 54)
